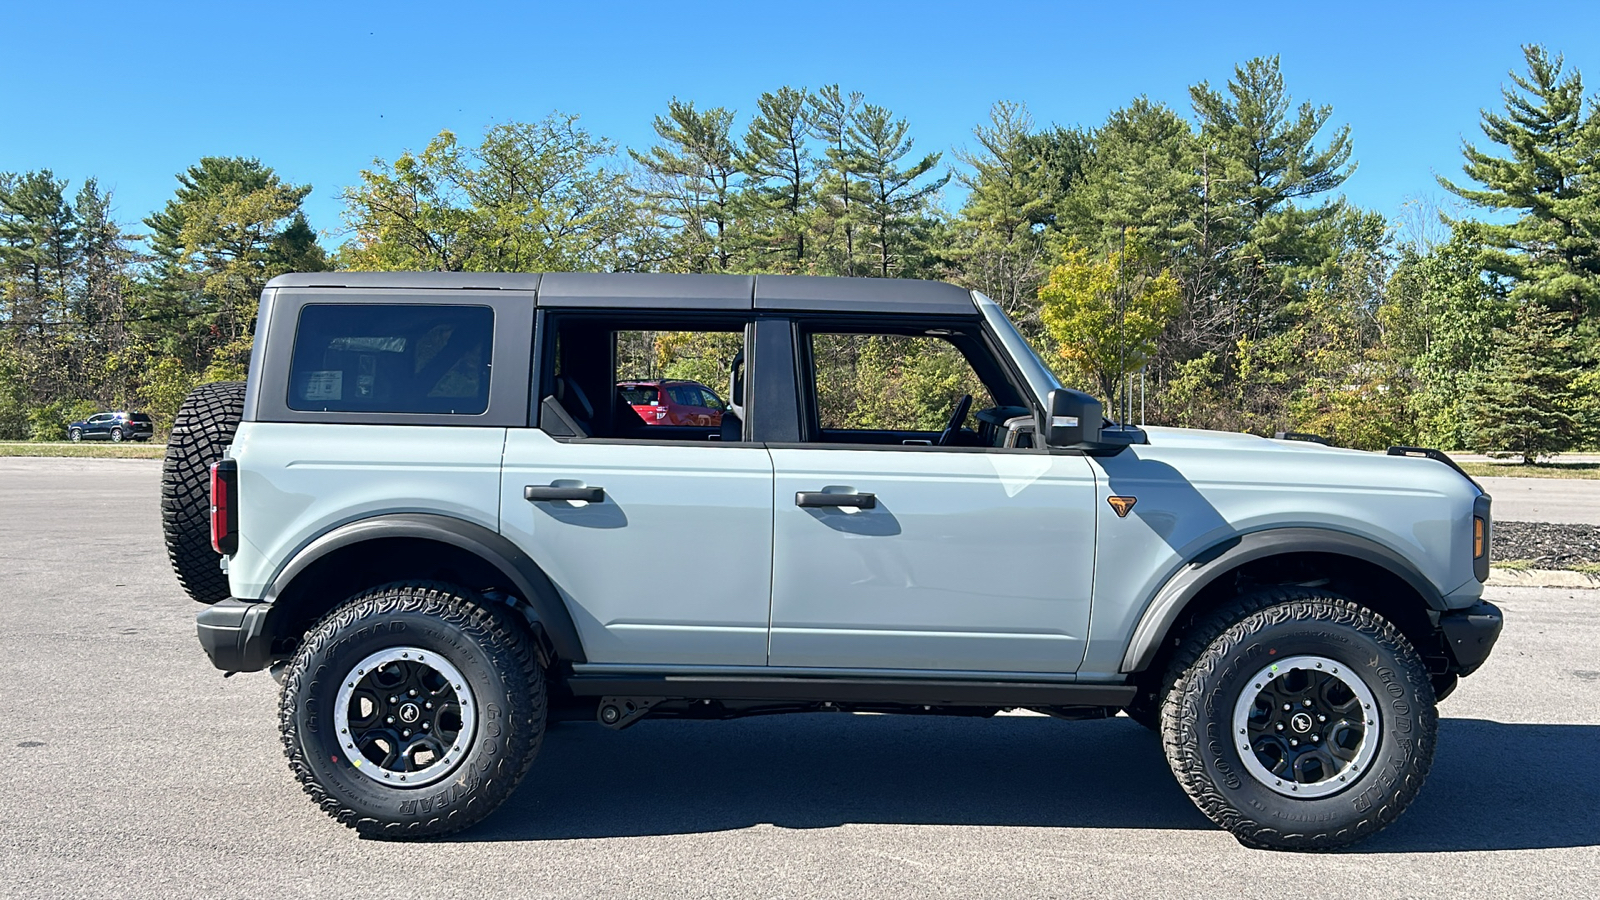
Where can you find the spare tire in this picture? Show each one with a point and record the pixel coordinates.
(202, 430)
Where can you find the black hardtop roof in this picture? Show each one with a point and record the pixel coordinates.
(648, 290)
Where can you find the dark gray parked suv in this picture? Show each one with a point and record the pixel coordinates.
(113, 426)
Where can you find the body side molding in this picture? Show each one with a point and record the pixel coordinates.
(525, 576)
(1224, 556)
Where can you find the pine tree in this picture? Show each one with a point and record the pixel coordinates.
(691, 181)
(1528, 403)
(1551, 175)
(230, 227)
(1259, 165)
(777, 159)
(1010, 200)
(841, 190)
(1143, 175)
(894, 202)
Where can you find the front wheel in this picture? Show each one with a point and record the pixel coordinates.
(413, 710)
(75, 435)
(1299, 720)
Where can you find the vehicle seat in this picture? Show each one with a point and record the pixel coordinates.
(567, 409)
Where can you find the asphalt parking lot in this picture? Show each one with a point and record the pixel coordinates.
(133, 769)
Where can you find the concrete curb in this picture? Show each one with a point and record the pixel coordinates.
(1556, 578)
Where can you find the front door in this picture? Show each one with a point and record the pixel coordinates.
(966, 556)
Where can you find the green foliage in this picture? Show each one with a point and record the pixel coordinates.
(166, 383)
(1551, 176)
(1438, 318)
(1255, 298)
(1106, 313)
(782, 179)
(895, 203)
(689, 186)
(1011, 197)
(1530, 401)
(232, 226)
(49, 422)
(1143, 175)
(891, 381)
(531, 197)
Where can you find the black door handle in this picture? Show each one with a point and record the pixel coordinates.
(553, 492)
(824, 499)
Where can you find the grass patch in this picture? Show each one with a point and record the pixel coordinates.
(84, 450)
(1537, 470)
(1517, 565)
(1588, 568)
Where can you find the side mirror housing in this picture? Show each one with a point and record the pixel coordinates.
(1072, 420)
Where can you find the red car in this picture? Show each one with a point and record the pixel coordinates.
(673, 402)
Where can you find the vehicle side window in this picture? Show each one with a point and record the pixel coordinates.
(709, 399)
(903, 386)
(398, 358)
(639, 395)
(605, 360)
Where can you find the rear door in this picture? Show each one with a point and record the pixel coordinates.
(890, 552)
(605, 512)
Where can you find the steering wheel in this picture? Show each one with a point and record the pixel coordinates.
(957, 416)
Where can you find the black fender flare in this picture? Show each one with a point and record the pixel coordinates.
(1226, 555)
(524, 575)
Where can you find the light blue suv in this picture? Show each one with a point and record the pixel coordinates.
(433, 516)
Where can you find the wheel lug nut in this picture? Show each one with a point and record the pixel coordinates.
(390, 720)
(1280, 726)
(429, 705)
(1315, 738)
(1322, 718)
(1293, 742)
(424, 726)
(414, 693)
(406, 733)
(1286, 707)
(393, 698)
(1302, 702)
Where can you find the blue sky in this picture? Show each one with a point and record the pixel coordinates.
(133, 93)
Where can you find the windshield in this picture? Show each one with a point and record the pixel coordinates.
(1039, 377)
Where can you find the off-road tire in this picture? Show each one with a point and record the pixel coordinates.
(484, 640)
(1224, 650)
(202, 430)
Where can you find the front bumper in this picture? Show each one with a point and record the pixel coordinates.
(237, 634)
(1471, 633)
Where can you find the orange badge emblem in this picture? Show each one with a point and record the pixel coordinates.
(1122, 505)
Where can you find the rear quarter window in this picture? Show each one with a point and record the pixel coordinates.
(638, 395)
(392, 358)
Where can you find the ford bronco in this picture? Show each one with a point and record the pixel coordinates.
(423, 512)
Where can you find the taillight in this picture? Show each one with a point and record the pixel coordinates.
(224, 503)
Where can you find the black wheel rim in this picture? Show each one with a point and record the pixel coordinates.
(1306, 726)
(405, 717)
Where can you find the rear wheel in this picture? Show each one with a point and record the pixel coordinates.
(202, 430)
(413, 710)
(116, 435)
(1299, 720)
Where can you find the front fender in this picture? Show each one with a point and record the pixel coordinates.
(1225, 556)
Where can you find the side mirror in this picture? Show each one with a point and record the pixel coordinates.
(1072, 419)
